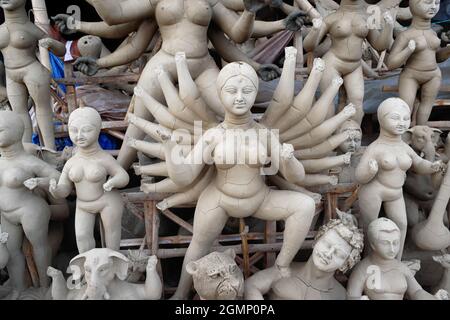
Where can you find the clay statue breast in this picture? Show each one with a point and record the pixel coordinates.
(343, 26)
(22, 40)
(391, 282)
(90, 172)
(169, 12)
(14, 177)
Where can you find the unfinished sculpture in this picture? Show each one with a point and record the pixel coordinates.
(24, 73)
(380, 276)
(418, 50)
(338, 246)
(444, 261)
(348, 28)
(351, 148)
(95, 174)
(382, 168)
(22, 211)
(216, 276)
(104, 271)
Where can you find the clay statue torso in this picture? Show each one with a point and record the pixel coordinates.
(21, 43)
(393, 164)
(88, 175)
(183, 25)
(427, 43)
(348, 31)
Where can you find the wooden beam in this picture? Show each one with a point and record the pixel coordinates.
(69, 80)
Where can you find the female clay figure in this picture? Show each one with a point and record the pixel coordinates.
(22, 211)
(95, 174)
(418, 49)
(348, 28)
(338, 246)
(183, 27)
(380, 276)
(24, 73)
(238, 189)
(382, 168)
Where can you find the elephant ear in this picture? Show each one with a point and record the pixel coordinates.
(76, 266)
(407, 136)
(120, 264)
(435, 136)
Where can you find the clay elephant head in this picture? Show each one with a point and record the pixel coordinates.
(423, 140)
(99, 267)
(217, 276)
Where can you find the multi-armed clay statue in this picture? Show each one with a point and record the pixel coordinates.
(418, 49)
(24, 73)
(338, 246)
(216, 276)
(95, 174)
(380, 276)
(23, 212)
(104, 271)
(348, 28)
(382, 168)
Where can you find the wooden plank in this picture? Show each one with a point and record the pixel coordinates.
(169, 214)
(148, 219)
(69, 80)
(444, 88)
(444, 125)
(243, 230)
(270, 236)
(115, 134)
(27, 249)
(71, 93)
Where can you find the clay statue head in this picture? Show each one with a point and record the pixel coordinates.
(11, 5)
(384, 238)
(217, 276)
(99, 267)
(90, 46)
(394, 116)
(422, 138)
(425, 9)
(11, 128)
(84, 126)
(237, 85)
(338, 246)
(353, 141)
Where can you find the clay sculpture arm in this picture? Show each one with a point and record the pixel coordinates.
(367, 168)
(323, 149)
(443, 54)
(355, 285)
(260, 283)
(63, 187)
(117, 12)
(293, 22)
(318, 165)
(382, 40)
(415, 290)
(118, 177)
(402, 49)
(123, 55)
(316, 34)
(53, 45)
(312, 180)
(291, 169)
(153, 285)
(422, 166)
(59, 290)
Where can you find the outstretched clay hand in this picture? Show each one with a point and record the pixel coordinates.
(317, 23)
(294, 21)
(412, 45)
(31, 183)
(3, 237)
(53, 186)
(254, 5)
(66, 24)
(151, 263)
(269, 72)
(443, 260)
(87, 65)
(108, 186)
(442, 294)
(373, 166)
(438, 166)
(287, 152)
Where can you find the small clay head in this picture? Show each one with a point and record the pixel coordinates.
(384, 238)
(237, 86)
(84, 126)
(217, 276)
(11, 5)
(353, 142)
(338, 246)
(90, 46)
(394, 116)
(11, 128)
(425, 9)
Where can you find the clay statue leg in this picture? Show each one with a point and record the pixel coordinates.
(112, 222)
(396, 211)
(429, 92)
(18, 98)
(407, 88)
(297, 210)
(209, 220)
(206, 83)
(369, 205)
(329, 74)
(37, 81)
(35, 226)
(16, 263)
(354, 87)
(84, 230)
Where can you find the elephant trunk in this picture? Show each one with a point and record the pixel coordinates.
(96, 291)
(429, 152)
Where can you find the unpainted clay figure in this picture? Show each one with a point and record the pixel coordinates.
(216, 276)
(382, 168)
(444, 261)
(418, 50)
(24, 73)
(352, 146)
(183, 27)
(94, 173)
(22, 211)
(380, 276)
(338, 246)
(348, 27)
(105, 271)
